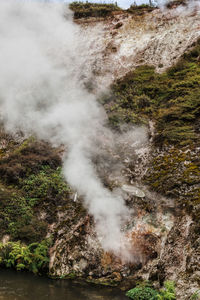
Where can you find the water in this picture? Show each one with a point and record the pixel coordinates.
(25, 286)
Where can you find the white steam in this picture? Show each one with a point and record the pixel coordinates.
(41, 92)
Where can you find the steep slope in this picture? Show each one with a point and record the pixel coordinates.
(124, 41)
(158, 177)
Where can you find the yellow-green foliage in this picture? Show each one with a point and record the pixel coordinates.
(175, 173)
(142, 293)
(47, 184)
(25, 145)
(168, 292)
(146, 292)
(196, 295)
(171, 99)
(83, 10)
(18, 218)
(33, 257)
(31, 182)
(19, 206)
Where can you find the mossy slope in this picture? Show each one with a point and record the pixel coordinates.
(171, 100)
(31, 184)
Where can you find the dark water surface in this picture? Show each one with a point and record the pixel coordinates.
(25, 286)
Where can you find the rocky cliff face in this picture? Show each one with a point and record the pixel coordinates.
(159, 179)
(123, 41)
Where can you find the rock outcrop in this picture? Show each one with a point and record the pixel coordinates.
(123, 41)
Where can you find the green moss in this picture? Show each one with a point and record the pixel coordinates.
(103, 281)
(70, 276)
(176, 173)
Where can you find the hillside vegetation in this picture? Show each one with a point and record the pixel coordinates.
(30, 173)
(41, 217)
(31, 177)
(170, 99)
(140, 9)
(88, 9)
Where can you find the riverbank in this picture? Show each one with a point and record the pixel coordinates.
(25, 286)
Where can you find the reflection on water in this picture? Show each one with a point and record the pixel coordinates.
(25, 286)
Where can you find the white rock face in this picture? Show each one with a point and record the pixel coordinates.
(156, 38)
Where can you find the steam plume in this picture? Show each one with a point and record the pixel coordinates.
(41, 93)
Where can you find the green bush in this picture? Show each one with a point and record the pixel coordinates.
(37, 185)
(142, 293)
(33, 257)
(31, 184)
(168, 293)
(47, 184)
(18, 218)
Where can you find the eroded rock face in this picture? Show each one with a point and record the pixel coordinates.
(164, 234)
(180, 257)
(165, 243)
(175, 173)
(123, 41)
(77, 251)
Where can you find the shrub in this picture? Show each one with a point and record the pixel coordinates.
(142, 293)
(18, 218)
(48, 183)
(27, 159)
(33, 170)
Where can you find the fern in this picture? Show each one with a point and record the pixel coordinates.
(33, 257)
(168, 293)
